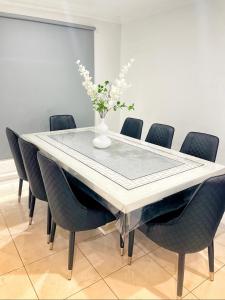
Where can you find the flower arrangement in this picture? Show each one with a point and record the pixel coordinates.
(106, 96)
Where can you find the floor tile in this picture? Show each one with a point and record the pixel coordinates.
(17, 217)
(144, 279)
(190, 296)
(9, 257)
(220, 238)
(48, 272)
(32, 243)
(220, 230)
(4, 232)
(9, 187)
(196, 266)
(104, 253)
(99, 290)
(144, 242)
(16, 285)
(212, 289)
(17, 222)
(9, 193)
(49, 275)
(219, 251)
(87, 235)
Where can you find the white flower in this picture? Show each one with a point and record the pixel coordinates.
(111, 104)
(111, 93)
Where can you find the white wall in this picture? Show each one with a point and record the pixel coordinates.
(179, 74)
(107, 36)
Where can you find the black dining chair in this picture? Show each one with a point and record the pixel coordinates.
(13, 137)
(197, 144)
(62, 122)
(201, 145)
(193, 228)
(132, 127)
(161, 135)
(29, 154)
(70, 210)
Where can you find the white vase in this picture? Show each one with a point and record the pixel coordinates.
(102, 140)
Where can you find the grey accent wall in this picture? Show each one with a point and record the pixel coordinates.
(39, 77)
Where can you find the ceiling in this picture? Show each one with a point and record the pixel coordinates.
(116, 11)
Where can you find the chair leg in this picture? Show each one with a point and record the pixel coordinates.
(49, 222)
(20, 189)
(71, 254)
(211, 261)
(52, 235)
(180, 279)
(121, 245)
(130, 246)
(32, 205)
(29, 198)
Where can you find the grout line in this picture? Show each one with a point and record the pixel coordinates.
(53, 252)
(31, 282)
(205, 281)
(29, 263)
(102, 278)
(190, 290)
(8, 272)
(24, 265)
(133, 260)
(114, 293)
(191, 295)
(22, 262)
(84, 288)
(173, 276)
(44, 257)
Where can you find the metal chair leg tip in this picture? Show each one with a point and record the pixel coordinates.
(48, 238)
(69, 274)
(30, 221)
(211, 276)
(129, 260)
(121, 251)
(50, 246)
(19, 199)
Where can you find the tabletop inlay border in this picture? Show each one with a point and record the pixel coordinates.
(119, 179)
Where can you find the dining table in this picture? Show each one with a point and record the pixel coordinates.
(127, 177)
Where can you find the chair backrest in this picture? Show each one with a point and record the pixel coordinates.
(13, 137)
(201, 145)
(132, 127)
(29, 154)
(66, 210)
(161, 135)
(62, 122)
(196, 226)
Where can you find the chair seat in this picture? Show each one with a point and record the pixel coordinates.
(96, 214)
(168, 207)
(77, 185)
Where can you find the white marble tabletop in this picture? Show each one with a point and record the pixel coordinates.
(131, 173)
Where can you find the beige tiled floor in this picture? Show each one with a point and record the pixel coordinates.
(29, 270)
